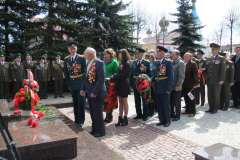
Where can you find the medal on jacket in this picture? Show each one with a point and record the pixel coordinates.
(92, 73)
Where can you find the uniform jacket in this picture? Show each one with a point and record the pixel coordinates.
(30, 66)
(42, 74)
(229, 75)
(237, 69)
(96, 86)
(196, 61)
(75, 72)
(135, 71)
(18, 72)
(179, 73)
(202, 64)
(191, 75)
(5, 72)
(163, 76)
(57, 70)
(215, 70)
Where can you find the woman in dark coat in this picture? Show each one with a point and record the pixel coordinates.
(122, 87)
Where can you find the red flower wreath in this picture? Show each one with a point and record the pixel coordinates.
(111, 97)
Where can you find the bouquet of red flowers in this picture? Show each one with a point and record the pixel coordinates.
(142, 84)
(201, 77)
(111, 99)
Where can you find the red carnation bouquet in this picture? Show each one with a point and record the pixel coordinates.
(142, 84)
(111, 99)
(201, 77)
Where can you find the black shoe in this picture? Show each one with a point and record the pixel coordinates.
(80, 125)
(8, 100)
(55, 96)
(233, 106)
(238, 107)
(98, 135)
(202, 104)
(145, 119)
(45, 97)
(110, 118)
(125, 121)
(120, 120)
(208, 111)
(150, 115)
(167, 124)
(41, 98)
(197, 103)
(92, 132)
(160, 123)
(184, 107)
(61, 96)
(213, 112)
(175, 119)
(106, 118)
(138, 117)
(225, 109)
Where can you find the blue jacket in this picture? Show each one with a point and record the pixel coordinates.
(75, 72)
(163, 78)
(96, 87)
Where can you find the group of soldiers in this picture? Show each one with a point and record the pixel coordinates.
(43, 70)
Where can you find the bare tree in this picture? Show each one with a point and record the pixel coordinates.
(231, 19)
(218, 34)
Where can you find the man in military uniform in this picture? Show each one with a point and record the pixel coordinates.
(45, 55)
(58, 75)
(42, 76)
(28, 64)
(163, 77)
(215, 69)
(202, 67)
(74, 69)
(5, 77)
(225, 89)
(18, 73)
(135, 71)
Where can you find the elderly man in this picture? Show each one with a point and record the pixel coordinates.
(179, 75)
(191, 81)
(95, 89)
(74, 70)
(215, 78)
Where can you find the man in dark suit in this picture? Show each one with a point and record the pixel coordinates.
(163, 77)
(95, 89)
(74, 70)
(236, 87)
(140, 66)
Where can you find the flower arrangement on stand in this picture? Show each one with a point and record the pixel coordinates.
(142, 84)
(111, 99)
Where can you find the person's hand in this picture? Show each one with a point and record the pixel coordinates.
(130, 87)
(63, 77)
(14, 80)
(92, 95)
(69, 88)
(167, 92)
(150, 81)
(82, 92)
(194, 86)
(231, 84)
(53, 79)
(112, 76)
(107, 79)
(220, 82)
(176, 88)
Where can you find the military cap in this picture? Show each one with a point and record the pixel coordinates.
(2, 54)
(45, 52)
(41, 58)
(72, 44)
(17, 55)
(200, 51)
(58, 54)
(140, 50)
(191, 50)
(214, 46)
(161, 48)
(27, 53)
(222, 54)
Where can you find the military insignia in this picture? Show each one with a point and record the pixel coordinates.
(92, 73)
(201, 65)
(143, 68)
(78, 67)
(162, 69)
(6, 65)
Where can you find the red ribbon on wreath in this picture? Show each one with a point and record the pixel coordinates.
(200, 75)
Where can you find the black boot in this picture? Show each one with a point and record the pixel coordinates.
(109, 118)
(120, 120)
(106, 118)
(125, 121)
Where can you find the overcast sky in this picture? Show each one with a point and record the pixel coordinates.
(210, 12)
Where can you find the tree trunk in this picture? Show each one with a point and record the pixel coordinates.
(231, 38)
(6, 42)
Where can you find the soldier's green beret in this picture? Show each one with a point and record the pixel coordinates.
(17, 55)
(45, 52)
(41, 58)
(140, 50)
(191, 50)
(27, 54)
(2, 54)
(72, 44)
(161, 48)
(200, 51)
(222, 54)
(58, 54)
(214, 46)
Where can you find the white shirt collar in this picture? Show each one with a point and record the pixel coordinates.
(73, 56)
(160, 60)
(140, 60)
(200, 59)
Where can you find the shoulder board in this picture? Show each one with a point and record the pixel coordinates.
(81, 56)
(230, 61)
(12, 62)
(220, 56)
(66, 57)
(135, 60)
(146, 60)
(167, 59)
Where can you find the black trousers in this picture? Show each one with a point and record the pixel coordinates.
(42, 89)
(58, 87)
(4, 90)
(214, 96)
(137, 98)
(224, 96)
(175, 101)
(17, 87)
(152, 106)
(200, 91)
(78, 106)
(190, 104)
(95, 108)
(236, 93)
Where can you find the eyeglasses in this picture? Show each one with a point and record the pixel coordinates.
(212, 49)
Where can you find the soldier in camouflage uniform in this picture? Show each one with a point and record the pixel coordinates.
(58, 75)
(5, 77)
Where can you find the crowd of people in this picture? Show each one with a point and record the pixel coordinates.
(171, 78)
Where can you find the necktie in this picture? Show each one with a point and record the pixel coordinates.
(72, 59)
(237, 59)
(28, 62)
(139, 63)
(19, 64)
